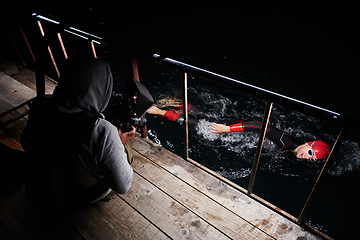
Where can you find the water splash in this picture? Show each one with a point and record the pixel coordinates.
(348, 159)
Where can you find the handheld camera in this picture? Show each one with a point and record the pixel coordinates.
(130, 107)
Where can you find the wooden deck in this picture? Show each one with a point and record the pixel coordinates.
(170, 198)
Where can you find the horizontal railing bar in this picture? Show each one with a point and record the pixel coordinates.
(72, 30)
(280, 99)
(79, 35)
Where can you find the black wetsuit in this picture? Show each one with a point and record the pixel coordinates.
(281, 138)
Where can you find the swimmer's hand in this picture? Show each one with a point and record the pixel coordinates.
(219, 128)
(156, 111)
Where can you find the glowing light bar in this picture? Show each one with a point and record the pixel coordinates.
(334, 115)
(76, 33)
(45, 18)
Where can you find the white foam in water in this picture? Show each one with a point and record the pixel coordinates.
(235, 174)
(238, 143)
(348, 159)
(203, 129)
(153, 136)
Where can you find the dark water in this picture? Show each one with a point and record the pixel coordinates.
(308, 52)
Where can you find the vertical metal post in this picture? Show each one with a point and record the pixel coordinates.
(14, 43)
(135, 75)
(93, 48)
(325, 168)
(186, 125)
(62, 46)
(134, 67)
(49, 50)
(26, 41)
(40, 79)
(264, 126)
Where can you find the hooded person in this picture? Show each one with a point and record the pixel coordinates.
(75, 155)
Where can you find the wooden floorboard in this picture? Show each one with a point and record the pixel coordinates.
(257, 215)
(115, 219)
(208, 213)
(13, 93)
(21, 220)
(169, 215)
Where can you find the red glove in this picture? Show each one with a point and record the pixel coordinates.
(182, 106)
(237, 127)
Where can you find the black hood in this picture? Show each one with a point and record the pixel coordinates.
(85, 85)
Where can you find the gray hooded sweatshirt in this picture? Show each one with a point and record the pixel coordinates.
(85, 88)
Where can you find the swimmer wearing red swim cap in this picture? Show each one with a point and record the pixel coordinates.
(310, 150)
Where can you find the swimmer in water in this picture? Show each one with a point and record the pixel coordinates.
(310, 150)
(284, 141)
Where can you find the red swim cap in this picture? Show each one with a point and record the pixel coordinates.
(321, 149)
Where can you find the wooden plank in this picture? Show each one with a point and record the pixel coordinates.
(113, 220)
(202, 206)
(31, 76)
(10, 143)
(21, 220)
(15, 129)
(167, 213)
(250, 210)
(13, 93)
(26, 82)
(92, 224)
(9, 68)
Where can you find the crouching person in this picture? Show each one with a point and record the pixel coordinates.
(75, 156)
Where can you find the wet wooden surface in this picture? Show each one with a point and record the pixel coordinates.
(170, 198)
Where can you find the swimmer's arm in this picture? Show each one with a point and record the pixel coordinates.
(238, 127)
(156, 111)
(219, 128)
(169, 115)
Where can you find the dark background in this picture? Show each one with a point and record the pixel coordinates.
(305, 50)
(311, 47)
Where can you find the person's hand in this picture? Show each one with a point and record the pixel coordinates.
(219, 128)
(124, 137)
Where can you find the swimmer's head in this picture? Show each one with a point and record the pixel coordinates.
(320, 148)
(313, 150)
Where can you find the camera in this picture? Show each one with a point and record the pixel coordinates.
(129, 105)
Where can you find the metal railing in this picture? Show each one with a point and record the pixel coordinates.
(270, 97)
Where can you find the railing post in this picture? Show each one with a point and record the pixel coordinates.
(135, 75)
(93, 49)
(325, 168)
(62, 46)
(14, 43)
(264, 126)
(49, 50)
(186, 117)
(26, 41)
